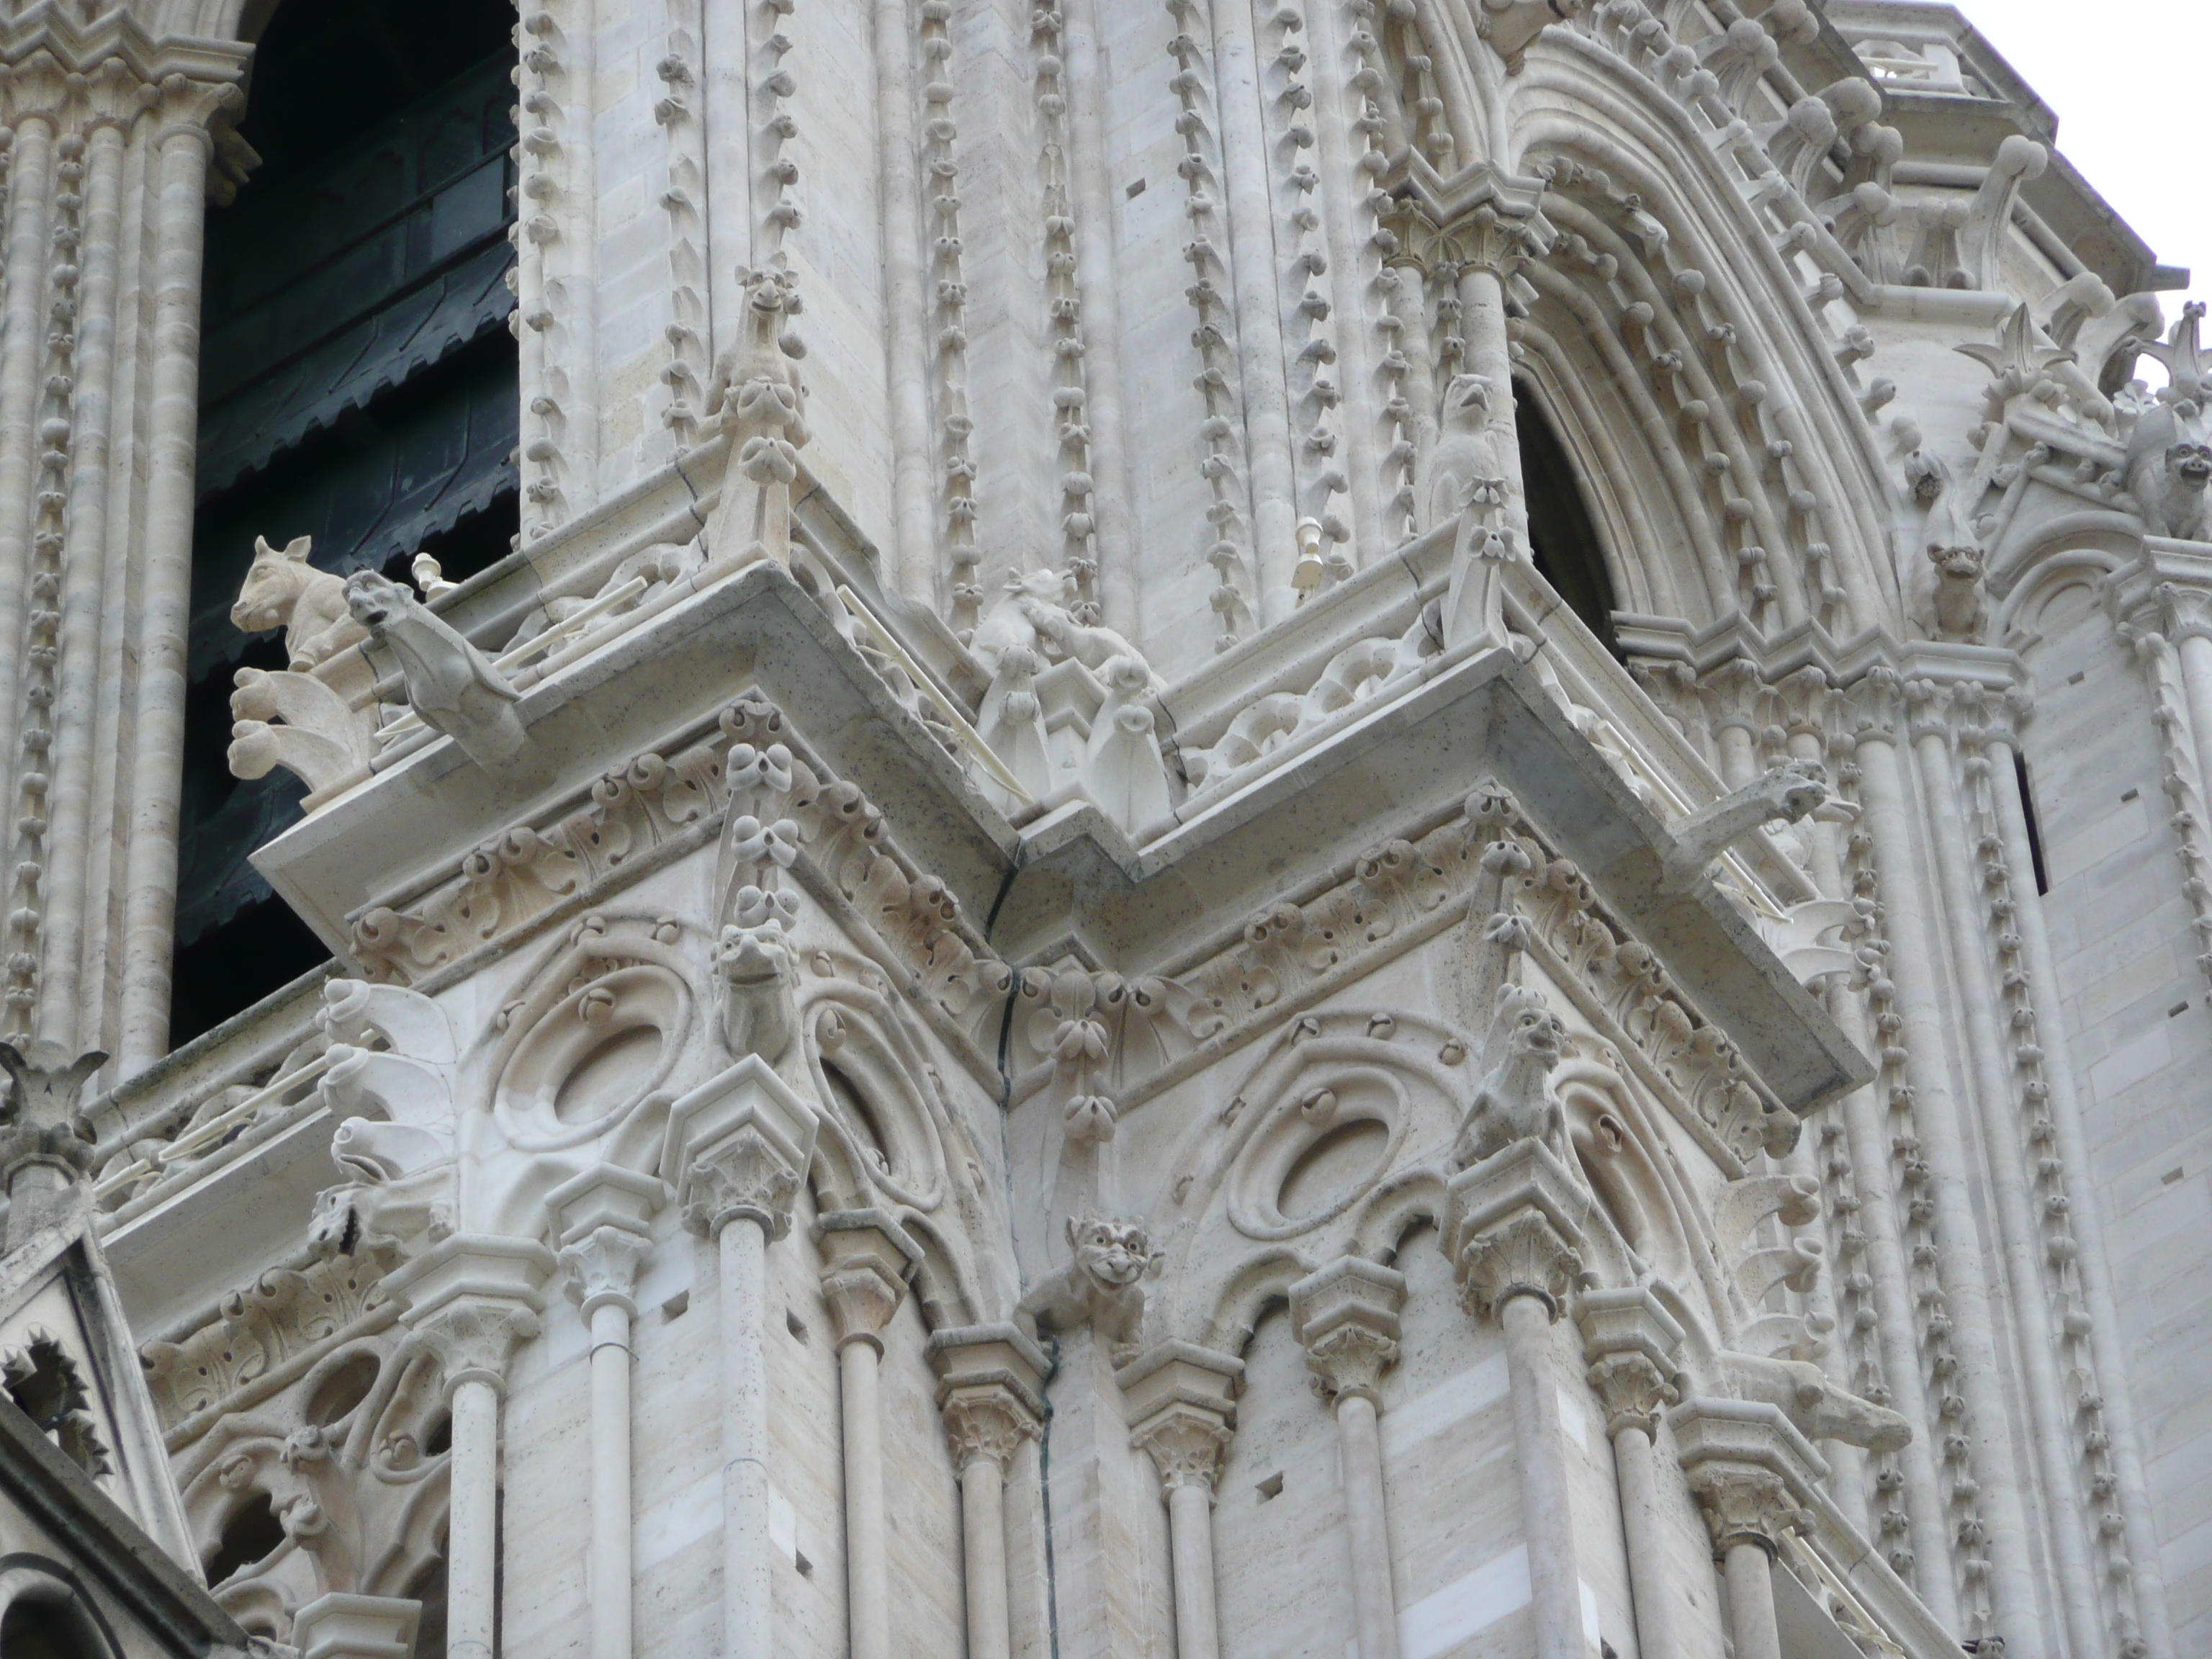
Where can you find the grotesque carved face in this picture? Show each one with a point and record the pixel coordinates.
(1960, 563)
(750, 958)
(1538, 1034)
(1114, 1253)
(1467, 400)
(2191, 463)
(1046, 587)
(372, 599)
(1806, 787)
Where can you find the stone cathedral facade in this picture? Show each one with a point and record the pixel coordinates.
(1146, 830)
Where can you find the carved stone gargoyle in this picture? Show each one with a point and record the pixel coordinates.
(1514, 1101)
(1102, 1287)
(760, 400)
(1791, 791)
(450, 683)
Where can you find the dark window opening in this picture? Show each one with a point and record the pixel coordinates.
(428, 1587)
(357, 385)
(2027, 816)
(40, 1630)
(1562, 537)
(252, 1535)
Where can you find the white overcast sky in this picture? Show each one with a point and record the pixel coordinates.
(2127, 79)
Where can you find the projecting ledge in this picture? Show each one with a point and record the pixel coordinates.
(1401, 767)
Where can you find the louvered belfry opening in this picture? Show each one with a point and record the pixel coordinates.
(357, 385)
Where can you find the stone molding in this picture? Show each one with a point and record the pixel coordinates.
(1347, 1317)
(340, 1626)
(867, 1260)
(1515, 1228)
(472, 1298)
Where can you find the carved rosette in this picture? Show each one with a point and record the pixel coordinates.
(1515, 1228)
(867, 1257)
(1187, 1444)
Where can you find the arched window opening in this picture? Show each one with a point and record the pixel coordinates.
(42, 1629)
(358, 384)
(1563, 537)
(251, 1534)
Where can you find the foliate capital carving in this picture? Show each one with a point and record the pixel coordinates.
(1634, 1392)
(988, 1423)
(745, 1176)
(1516, 1228)
(602, 1268)
(991, 1389)
(1630, 1342)
(1187, 1443)
(1346, 1315)
(1744, 1504)
(471, 1297)
(867, 1257)
(736, 1147)
(1752, 1474)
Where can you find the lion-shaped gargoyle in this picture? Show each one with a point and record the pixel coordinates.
(1102, 1287)
(1515, 1100)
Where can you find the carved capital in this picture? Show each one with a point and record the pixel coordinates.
(738, 1147)
(1629, 1342)
(2185, 613)
(1754, 1475)
(747, 1176)
(471, 1297)
(865, 1259)
(1516, 1228)
(1187, 1444)
(602, 1267)
(988, 1423)
(991, 1389)
(1181, 1398)
(1346, 1315)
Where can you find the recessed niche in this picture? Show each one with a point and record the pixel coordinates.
(1336, 1162)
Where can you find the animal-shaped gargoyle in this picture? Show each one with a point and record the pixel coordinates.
(1514, 1100)
(40, 1127)
(1102, 1287)
(450, 683)
(1792, 791)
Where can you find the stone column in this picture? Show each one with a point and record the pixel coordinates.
(1346, 1316)
(2184, 613)
(865, 1259)
(991, 1392)
(340, 1626)
(183, 142)
(1631, 1341)
(1179, 1399)
(1512, 1232)
(604, 1222)
(1753, 1475)
(740, 1144)
(471, 1297)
